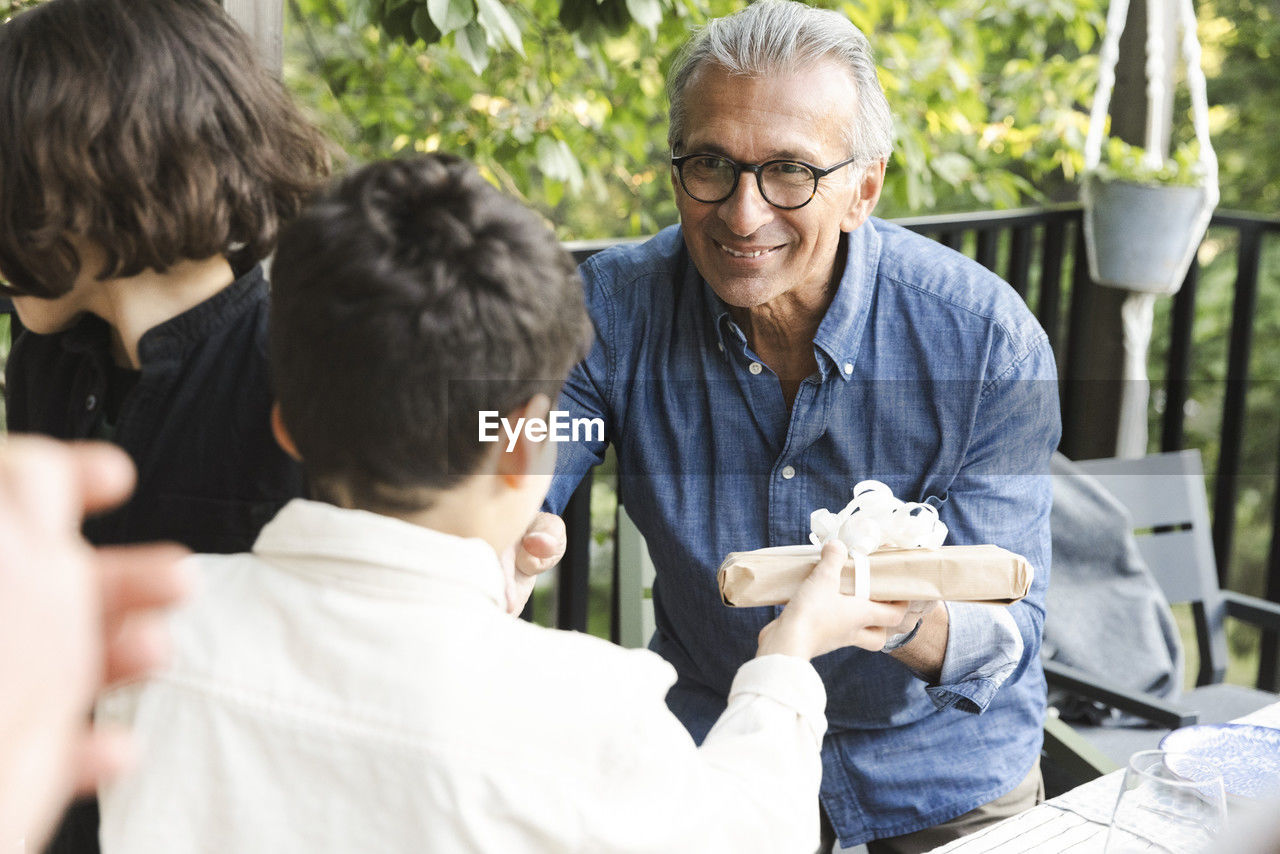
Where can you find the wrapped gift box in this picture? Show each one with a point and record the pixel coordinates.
(952, 573)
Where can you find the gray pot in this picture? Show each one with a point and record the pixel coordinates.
(1142, 237)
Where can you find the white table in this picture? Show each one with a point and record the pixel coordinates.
(1075, 821)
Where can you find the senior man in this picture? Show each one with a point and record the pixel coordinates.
(778, 346)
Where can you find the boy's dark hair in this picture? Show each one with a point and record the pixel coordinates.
(406, 300)
(149, 127)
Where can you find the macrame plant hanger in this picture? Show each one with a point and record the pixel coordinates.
(1138, 310)
(1117, 14)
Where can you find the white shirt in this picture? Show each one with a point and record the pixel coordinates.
(355, 685)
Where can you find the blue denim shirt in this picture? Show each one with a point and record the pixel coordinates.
(934, 377)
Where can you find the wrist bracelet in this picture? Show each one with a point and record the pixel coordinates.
(901, 640)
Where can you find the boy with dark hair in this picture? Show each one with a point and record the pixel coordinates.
(375, 695)
(147, 162)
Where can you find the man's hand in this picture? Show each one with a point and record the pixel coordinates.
(71, 618)
(819, 618)
(540, 549)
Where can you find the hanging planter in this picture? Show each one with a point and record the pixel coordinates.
(1144, 216)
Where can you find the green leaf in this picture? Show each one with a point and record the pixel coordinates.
(499, 24)
(646, 13)
(450, 15)
(953, 168)
(424, 27)
(473, 47)
(554, 191)
(558, 163)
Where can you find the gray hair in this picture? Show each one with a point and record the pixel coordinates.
(772, 37)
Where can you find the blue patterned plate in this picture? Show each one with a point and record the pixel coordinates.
(1248, 756)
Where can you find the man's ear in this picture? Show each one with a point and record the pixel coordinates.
(869, 186)
(283, 439)
(527, 456)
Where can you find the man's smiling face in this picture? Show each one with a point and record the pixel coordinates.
(750, 252)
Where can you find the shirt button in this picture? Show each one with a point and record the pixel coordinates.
(756, 367)
(788, 472)
(848, 367)
(720, 344)
(91, 402)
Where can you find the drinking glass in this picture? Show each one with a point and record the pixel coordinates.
(1173, 800)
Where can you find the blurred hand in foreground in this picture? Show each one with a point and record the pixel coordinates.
(72, 619)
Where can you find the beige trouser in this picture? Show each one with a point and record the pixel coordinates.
(1025, 795)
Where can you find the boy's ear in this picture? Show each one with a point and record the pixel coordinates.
(527, 456)
(283, 439)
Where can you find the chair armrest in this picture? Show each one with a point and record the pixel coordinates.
(1074, 753)
(1251, 609)
(1152, 709)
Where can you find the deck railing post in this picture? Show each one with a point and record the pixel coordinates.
(1231, 439)
(263, 20)
(1178, 370)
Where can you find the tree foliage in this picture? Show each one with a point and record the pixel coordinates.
(10, 7)
(1241, 41)
(1242, 63)
(571, 116)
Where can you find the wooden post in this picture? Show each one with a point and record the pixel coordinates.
(1094, 424)
(263, 20)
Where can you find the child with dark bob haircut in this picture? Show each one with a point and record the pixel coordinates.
(147, 163)
(356, 683)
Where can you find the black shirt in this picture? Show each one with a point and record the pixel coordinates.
(196, 420)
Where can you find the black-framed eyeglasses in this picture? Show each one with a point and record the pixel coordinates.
(786, 184)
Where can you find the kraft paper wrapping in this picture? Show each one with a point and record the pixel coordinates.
(953, 573)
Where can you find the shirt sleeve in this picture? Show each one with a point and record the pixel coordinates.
(1003, 495)
(984, 646)
(586, 394)
(751, 787)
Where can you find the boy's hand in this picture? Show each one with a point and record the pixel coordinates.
(819, 618)
(540, 549)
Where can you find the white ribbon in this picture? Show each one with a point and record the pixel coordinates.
(861, 576)
(875, 519)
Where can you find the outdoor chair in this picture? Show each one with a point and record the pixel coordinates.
(1164, 495)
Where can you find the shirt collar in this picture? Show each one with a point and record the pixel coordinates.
(379, 554)
(839, 335)
(178, 334)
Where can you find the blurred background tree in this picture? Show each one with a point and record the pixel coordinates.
(9, 7)
(1241, 40)
(989, 101)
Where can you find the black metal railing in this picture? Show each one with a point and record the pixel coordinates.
(1041, 253)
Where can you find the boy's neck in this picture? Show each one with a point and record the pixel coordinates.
(135, 305)
(471, 510)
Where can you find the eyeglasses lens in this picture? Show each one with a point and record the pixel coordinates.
(711, 179)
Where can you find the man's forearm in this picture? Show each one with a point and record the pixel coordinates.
(926, 651)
